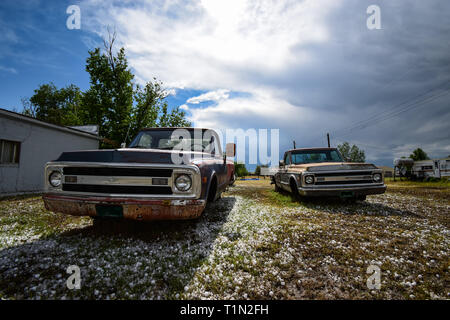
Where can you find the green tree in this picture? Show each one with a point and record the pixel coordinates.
(353, 153)
(109, 100)
(57, 106)
(240, 169)
(152, 111)
(113, 101)
(418, 155)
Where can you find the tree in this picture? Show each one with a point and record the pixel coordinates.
(240, 169)
(109, 100)
(353, 153)
(57, 106)
(152, 111)
(419, 155)
(113, 101)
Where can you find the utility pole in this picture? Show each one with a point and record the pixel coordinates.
(294, 144)
(328, 138)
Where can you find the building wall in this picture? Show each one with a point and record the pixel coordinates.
(39, 145)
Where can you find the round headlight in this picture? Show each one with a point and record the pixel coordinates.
(55, 178)
(183, 182)
(377, 177)
(309, 179)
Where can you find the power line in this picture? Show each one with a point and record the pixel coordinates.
(393, 113)
(376, 117)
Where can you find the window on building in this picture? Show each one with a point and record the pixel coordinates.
(9, 152)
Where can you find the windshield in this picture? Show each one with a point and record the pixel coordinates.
(179, 139)
(314, 156)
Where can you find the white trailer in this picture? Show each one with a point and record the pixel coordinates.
(437, 168)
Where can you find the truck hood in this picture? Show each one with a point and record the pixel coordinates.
(124, 155)
(332, 166)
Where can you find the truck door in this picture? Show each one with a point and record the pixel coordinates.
(284, 172)
(221, 167)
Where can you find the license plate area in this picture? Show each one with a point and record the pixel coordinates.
(109, 211)
(347, 194)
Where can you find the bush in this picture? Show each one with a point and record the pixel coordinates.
(240, 169)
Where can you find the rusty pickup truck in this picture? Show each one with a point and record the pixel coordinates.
(165, 173)
(322, 172)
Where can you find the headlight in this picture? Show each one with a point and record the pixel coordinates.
(183, 182)
(55, 179)
(377, 177)
(309, 179)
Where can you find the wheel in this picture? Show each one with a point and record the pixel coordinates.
(277, 188)
(233, 180)
(212, 195)
(294, 189)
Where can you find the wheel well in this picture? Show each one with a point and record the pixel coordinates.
(212, 189)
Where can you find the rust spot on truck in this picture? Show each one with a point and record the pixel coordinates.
(144, 210)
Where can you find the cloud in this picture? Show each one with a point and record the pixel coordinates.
(216, 95)
(308, 67)
(7, 69)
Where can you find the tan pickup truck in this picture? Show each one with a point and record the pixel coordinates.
(323, 172)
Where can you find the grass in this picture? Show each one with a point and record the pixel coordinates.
(254, 243)
(437, 183)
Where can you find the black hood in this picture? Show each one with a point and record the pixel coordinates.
(120, 155)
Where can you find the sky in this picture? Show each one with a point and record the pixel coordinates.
(306, 67)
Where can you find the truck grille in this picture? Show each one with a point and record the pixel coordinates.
(344, 178)
(123, 172)
(118, 180)
(117, 189)
(344, 174)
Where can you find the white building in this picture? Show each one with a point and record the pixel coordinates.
(27, 144)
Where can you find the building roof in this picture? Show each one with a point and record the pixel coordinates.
(311, 149)
(24, 118)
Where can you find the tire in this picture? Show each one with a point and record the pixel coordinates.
(294, 190)
(233, 180)
(277, 188)
(212, 195)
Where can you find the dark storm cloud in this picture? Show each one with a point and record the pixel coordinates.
(363, 72)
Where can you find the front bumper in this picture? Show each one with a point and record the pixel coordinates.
(341, 191)
(136, 209)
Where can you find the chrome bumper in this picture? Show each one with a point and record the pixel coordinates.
(135, 209)
(341, 191)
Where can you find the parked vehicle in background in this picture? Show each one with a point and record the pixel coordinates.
(322, 172)
(422, 170)
(160, 175)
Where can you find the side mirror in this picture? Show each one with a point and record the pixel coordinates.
(281, 164)
(230, 149)
(123, 145)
